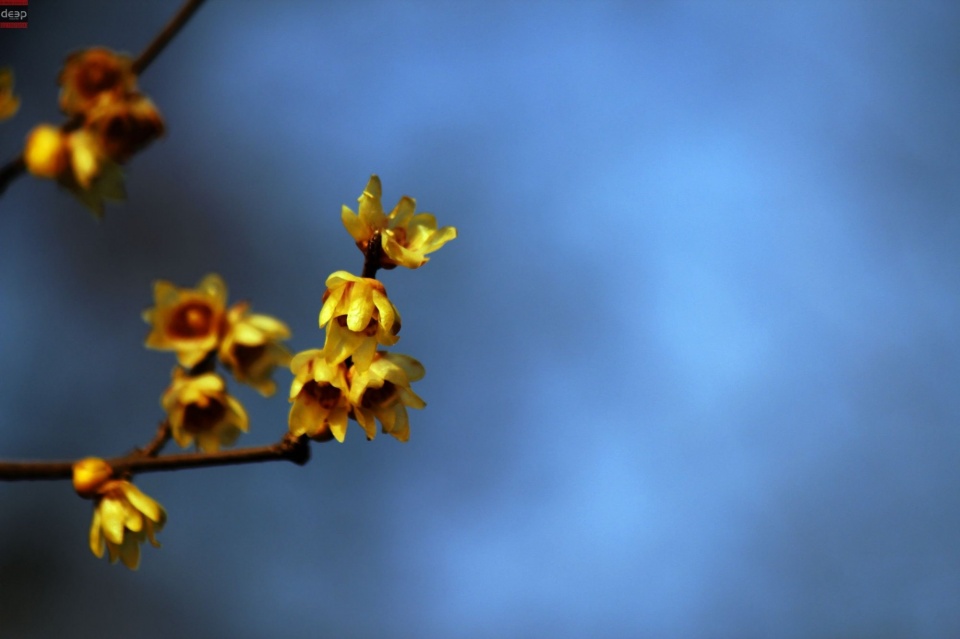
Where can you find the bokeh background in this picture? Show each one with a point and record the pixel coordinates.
(692, 364)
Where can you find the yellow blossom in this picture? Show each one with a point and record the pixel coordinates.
(201, 411)
(77, 162)
(89, 475)
(94, 76)
(251, 347)
(319, 396)
(124, 127)
(406, 236)
(9, 103)
(187, 320)
(383, 392)
(46, 153)
(123, 518)
(358, 315)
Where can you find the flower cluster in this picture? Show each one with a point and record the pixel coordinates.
(351, 377)
(111, 120)
(123, 517)
(196, 324)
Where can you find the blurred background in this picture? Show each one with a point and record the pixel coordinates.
(692, 364)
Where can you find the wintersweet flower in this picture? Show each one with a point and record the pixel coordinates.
(406, 236)
(9, 103)
(251, 347)
(188, 321)
(358, 315)
(383, 392)
(201, 411)
(77, 162)
(124, 127)
(123, 517)
(319, 396)
(94, 76)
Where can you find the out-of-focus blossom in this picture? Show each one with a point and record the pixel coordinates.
(188, 321)
(200, 411)
(251, 347)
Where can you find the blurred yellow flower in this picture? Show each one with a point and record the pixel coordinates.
(124, 127)
(188, 321)
(319, 395)
(9, 103)
(77, 162)
(383, 392)
(251, 347)
(94, 76)
(123, 518)
(358, 315)
(406, 237)
(201, 411)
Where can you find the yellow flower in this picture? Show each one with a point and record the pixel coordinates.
(251, 347)
(319, 395)
(77, 162)
(406, 237)
(9, 103)
(357, 315)
(94, 76)
(124, 127)
(187, 320)
(123, 518)
(201, 411)
(46, 153)
(383, 391)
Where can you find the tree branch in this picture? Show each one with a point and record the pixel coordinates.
(290, 448)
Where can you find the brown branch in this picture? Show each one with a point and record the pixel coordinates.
(372, 256)
(166, 35)
(290, 448)
(17, 167)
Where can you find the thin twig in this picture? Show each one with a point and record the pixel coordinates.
(165, 36)
(17, 167)
(290, 448)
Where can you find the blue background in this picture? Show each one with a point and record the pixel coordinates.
(692, 364)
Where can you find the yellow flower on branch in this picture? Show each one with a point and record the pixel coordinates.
(358, 315)
(123, 517)
(124, 127)
(9, 103)
(188, 321)
(95, 76)
(319, 396)
(251, 347)
(382, 392)
(201, 411)
(406, 236)
(77, 162)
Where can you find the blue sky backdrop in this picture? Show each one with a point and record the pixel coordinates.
(692, 364)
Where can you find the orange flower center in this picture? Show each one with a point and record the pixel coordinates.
(97, 76)
(192, 320)
(325, 395)
(198, 418)
(374, 398)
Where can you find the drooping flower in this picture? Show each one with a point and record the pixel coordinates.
(383, 392)
(201, 411)
(94, 76)
(406, 236)
(188, 321)
(358, 315)
(251, 347)
(9, 103)
(319, 396)
(123, 516)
